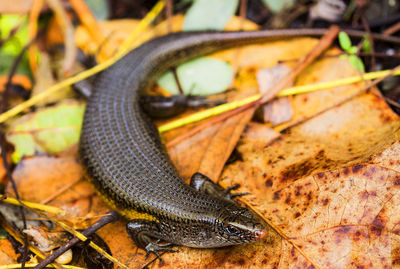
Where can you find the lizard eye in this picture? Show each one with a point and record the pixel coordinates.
(231, 230)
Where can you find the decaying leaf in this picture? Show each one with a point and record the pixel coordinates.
(51, 130)
(47, 240)
(18, 6)
(278, 110)
(328, 186)
(7, 253)
(320, 187)
(58, 178)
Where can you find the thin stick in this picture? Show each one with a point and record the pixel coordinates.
(370, 40)
(18, 237)
(178, 82)
(392, 29)
(325, 43)
(4, 148)
(113, 216)
(169, 8)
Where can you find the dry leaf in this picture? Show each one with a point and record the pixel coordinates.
(7, 253)
(17, 6)
(276, 111)
(41, 177)
(320, 187)
(317, 184)
(46, 240)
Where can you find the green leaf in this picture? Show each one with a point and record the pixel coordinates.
(277, 6)
(7, 60)
(99, 8)
(51, 130)
(20, 39)
(352, 50)
(366, 46)
(344, 41)
(200, 76)
(209, 15)
(356, 63)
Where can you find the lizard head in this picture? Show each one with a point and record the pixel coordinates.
(237, 225)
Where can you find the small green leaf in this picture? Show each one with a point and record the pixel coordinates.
(7, 24)
(99, 8)
(7, 60)
(51, 130)
(366, 46)
(344, 41)
(352, 50)
(200, 76)
(277, 6)
(356, 62)
(344, 56)
(209, 15)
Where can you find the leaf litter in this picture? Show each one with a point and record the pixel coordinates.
(327, 185)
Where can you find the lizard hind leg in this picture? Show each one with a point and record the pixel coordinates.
(145, 234)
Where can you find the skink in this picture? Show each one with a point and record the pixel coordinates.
(126, 161)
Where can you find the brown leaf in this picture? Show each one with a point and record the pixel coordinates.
(7, 253)
(47, 240)
(318, 186)
(276, 112)
(18, 6)
(40, 177)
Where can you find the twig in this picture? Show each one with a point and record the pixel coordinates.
(18, 237)
(89, 231)
(169, 8)
(81, 237)
(3, 147)
(10, 35)
(392, 102)
(250, 101)
(392, 29)
(325, 43)
(370, 40)
(242, 11)
(178, 82)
